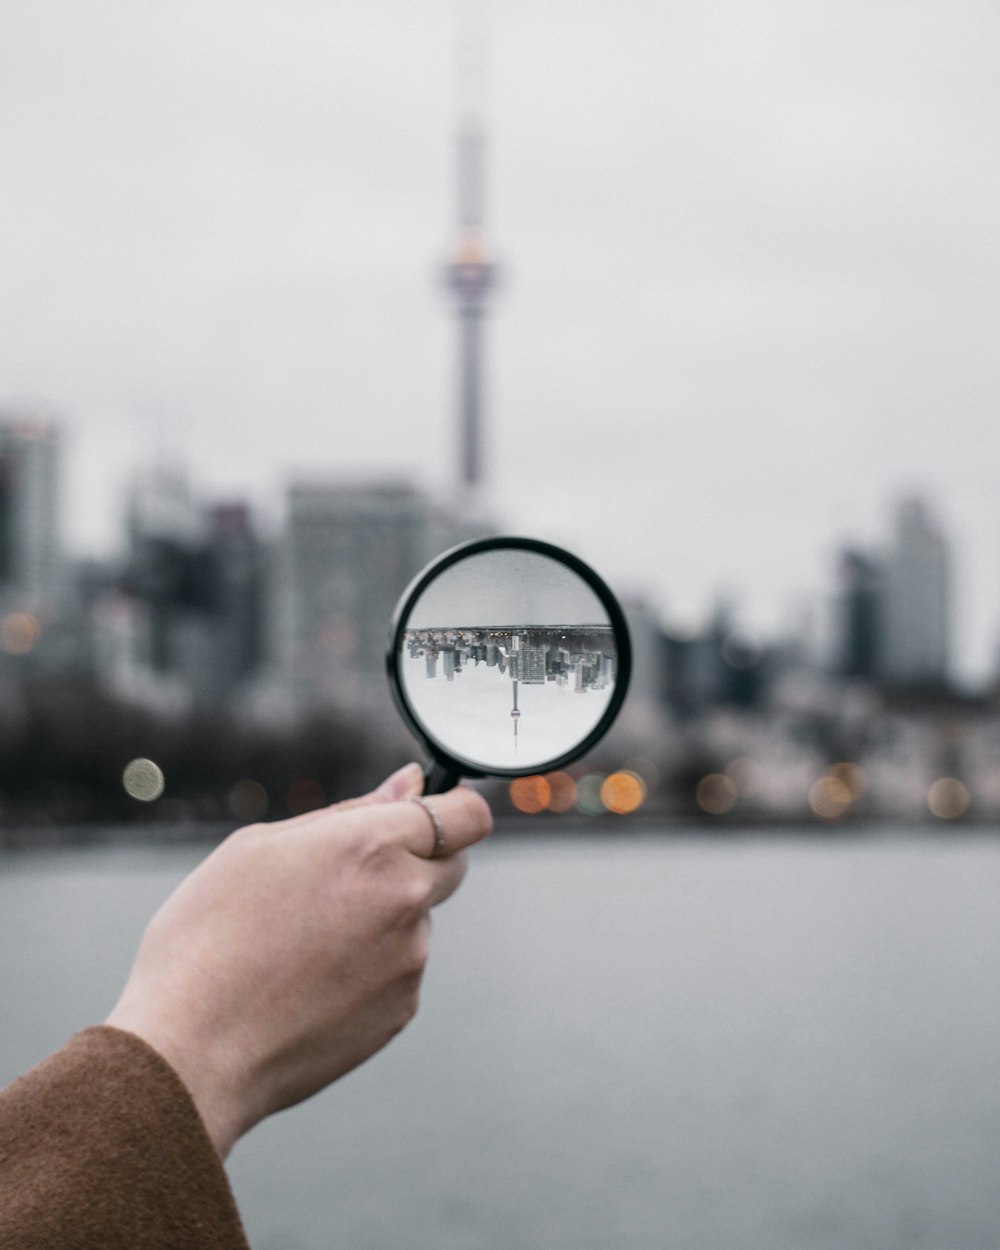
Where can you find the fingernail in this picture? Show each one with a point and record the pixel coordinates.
(404, 781)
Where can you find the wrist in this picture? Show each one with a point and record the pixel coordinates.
(217, 1102)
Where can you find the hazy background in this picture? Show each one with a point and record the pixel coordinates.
(749, 267)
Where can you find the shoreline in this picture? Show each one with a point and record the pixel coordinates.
(50, 837)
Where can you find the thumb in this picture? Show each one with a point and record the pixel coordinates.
(401, 784)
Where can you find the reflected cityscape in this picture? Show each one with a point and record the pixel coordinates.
(581, 656)
(505, 696)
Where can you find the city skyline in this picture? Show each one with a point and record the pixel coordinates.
(477, 717)
(277, 642)
(530, 654)
(902, 586)
(749, 283)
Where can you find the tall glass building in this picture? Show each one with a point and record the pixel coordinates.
(917, 609)
(31, 561)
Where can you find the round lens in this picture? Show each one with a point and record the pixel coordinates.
(507, 657)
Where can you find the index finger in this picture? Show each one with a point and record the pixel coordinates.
(462, 819)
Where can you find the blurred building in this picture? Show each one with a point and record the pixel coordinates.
(184, 626)
(859, 641)
(347, 553)
(917, 609)
(715, 667)
(643, 726)
(893, 609)
(31, 558)
(236, 604)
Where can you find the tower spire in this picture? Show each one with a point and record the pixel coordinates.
(470, 274)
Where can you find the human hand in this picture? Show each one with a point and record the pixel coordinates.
(296, 949)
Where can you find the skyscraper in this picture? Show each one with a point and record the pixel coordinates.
(30, 550)
(235, 563)
(347, 554)
(860, 610)
(184, 625)
(917, 608)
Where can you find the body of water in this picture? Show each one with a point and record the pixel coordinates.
(751, 1043)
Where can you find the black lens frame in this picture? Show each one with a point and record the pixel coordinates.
(455, 765)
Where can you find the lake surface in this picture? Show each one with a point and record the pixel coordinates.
(747, 1043)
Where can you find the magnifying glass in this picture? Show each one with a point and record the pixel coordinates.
(507, 657)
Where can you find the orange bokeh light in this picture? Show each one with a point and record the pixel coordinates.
(623, 792)
(19, 632)
(530, 795)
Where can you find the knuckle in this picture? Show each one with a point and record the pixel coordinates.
(397, 882)
(459, 867)
(451, 874)
(409, 1000)
(379, 857)
(413, 898)
(420, 949)
(411, 954)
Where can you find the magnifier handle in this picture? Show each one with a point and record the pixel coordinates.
(438, 779)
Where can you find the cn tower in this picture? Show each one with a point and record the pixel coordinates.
(470, 275)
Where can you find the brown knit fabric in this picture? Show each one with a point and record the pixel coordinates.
(102, 1148)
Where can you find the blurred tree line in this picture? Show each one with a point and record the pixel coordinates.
(65, 743)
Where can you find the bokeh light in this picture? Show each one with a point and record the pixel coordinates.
(143, 780)
(588, 794)
(19, 631)
(948, 798)
(853, 777)
(530, 795)
(716, 794)
(562, 792)
(247, 800)
(623, 792)
(305, 795)
(829, 797)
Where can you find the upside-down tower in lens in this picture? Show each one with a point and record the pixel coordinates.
(470, 276)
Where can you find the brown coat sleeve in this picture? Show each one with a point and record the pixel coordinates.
(101, 1147)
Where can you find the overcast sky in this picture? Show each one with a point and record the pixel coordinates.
(506, 588)
(750, 268)
(470, 715)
